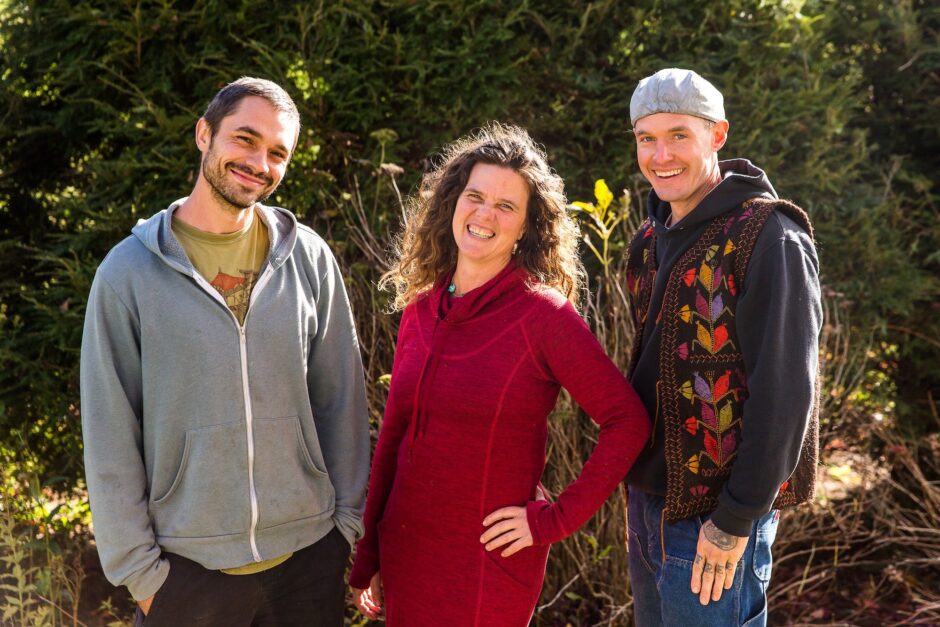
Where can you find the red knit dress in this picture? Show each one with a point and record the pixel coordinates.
(464, 434)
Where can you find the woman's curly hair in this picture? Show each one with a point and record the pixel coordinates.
(426, 248)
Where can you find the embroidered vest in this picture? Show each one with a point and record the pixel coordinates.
(703, 385)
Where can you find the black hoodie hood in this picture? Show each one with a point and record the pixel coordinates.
(741, 180)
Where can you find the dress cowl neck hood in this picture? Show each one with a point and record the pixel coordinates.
(492, 295)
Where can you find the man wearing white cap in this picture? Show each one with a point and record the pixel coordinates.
(726, 305)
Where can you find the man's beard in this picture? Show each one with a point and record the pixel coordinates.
(227, 191)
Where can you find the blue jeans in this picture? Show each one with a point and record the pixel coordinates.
(661, 585)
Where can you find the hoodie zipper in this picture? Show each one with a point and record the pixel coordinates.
(246, 394)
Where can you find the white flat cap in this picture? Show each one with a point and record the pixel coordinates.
(677, 91)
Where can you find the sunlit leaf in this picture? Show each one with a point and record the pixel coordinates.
(603, 194)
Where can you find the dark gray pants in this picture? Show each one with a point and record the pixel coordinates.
(308, 589)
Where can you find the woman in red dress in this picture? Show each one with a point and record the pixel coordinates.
(456, 531)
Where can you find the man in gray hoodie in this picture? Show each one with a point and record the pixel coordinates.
(223, 401)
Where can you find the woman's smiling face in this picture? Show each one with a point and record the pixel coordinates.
(490, 215)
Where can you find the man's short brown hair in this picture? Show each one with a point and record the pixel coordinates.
(226, 101)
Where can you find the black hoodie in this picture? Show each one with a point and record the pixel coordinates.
(778, 317)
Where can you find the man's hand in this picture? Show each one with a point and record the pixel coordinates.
(716, 559)
(146, 603)
(513, 529)
(369, 601)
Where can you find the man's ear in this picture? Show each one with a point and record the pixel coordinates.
(203, 135)
(720, 134)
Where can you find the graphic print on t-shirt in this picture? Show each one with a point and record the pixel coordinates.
(230, 262)
(235, 290)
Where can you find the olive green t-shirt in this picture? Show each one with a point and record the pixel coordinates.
(230, 262)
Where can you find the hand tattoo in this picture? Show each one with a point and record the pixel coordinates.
(724, 541)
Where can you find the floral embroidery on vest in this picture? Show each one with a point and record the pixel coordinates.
(703, 384)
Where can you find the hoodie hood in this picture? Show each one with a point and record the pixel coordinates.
(156, 233)
(741, 180)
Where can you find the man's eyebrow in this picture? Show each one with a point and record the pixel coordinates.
(251, 131)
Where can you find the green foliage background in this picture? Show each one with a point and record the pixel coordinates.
(838, 101)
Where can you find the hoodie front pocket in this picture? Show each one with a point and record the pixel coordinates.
(209, 495)
(290, 486)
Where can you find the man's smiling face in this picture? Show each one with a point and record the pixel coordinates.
(678, 155)
(247, 156)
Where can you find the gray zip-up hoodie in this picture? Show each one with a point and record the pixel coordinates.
(224, 443)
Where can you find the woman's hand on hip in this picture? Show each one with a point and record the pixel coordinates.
(507, 526)
(369, 601)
